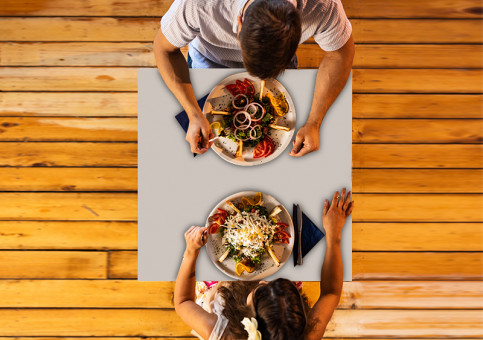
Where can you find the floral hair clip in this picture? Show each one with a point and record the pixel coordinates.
(251, 326)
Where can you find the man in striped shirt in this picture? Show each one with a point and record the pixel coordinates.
(261, 36)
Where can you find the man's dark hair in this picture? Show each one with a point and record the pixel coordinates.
(269, 37)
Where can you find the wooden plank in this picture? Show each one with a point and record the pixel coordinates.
(416, 265)
(68, 79)
(424, 131)
(417, 237)
(77, 54)
(417, 156)
(418, 208)
(125, 79)
(309, 55)
(416, 81)
(148, 322)
(417, 181)
(68, 129)
(68, 104)
(353, 8)
(417, 106)
(134, 294)
(52, 265)
(62, 235)
(365, 266)
(68, 179)
(123, 265)
(397, 56)
(41, 154)
(69, 206)
(413, 31)
(79, 29)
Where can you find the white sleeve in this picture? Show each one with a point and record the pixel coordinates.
(335, 29)
(180, 25)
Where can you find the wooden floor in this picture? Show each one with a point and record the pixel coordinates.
(68, 177)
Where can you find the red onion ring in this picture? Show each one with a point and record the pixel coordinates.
(235, 98)
(252, 114)
(254, 128)
(242, 124)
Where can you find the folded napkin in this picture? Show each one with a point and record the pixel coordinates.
(311, 235)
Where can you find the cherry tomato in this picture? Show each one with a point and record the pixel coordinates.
(213, 228)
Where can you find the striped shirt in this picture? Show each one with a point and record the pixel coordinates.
(210, 28)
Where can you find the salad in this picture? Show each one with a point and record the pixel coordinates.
(249, 117)
(248, 231)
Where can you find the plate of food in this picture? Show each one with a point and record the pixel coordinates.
(250, 235)
(253, 120)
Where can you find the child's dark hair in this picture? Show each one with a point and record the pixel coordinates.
(280, 309)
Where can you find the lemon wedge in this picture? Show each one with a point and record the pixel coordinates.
(217, 126)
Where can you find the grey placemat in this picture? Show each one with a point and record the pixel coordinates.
(177, 190)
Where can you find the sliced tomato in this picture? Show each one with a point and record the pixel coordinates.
(213, 228)
(260, 149)
(242, 86)
(284, 240)
(222, 212)
(283, 234)
(251, 88)
(233, 89)
(270, 146)
(282, 224)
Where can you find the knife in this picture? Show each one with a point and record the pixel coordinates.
(299, 241)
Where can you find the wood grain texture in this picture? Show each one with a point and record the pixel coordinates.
(410, 266)
(148, 322)
(52, 265)
(68, 179)
(400, 56)
(365, 266)
(125, 79)
(144, 29)
(69, 206)
(68, 104)
(418, 208)
(134, 294)
(417, 106)
(417, 181)
(417, 236)
(310, 55)
(62, 235)
(68, 79)
(122, 266)
(416, 81)
(68, 154)
(353, 8)
(424, 131)
(417, 156)
(68, 129)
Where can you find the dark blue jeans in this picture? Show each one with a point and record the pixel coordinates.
(292, 65)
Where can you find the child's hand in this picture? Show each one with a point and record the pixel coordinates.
(335, 214)
(196, 238)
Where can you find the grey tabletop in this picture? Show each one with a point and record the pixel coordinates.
(177, 190)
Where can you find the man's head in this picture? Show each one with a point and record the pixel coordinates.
(269, 36)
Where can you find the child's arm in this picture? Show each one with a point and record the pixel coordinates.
(184, 291)
(331, 280)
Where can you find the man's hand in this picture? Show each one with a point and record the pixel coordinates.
(335, 214)
(195, 239)
(306, 141)
(199, 134)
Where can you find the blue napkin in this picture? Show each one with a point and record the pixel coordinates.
(311, 235)
(183, 119)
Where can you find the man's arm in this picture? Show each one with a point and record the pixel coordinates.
(331, 79)
(332, 270)
(184, 291)
(174, 70)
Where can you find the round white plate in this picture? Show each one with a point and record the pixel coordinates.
(219, 98)
(267, 267)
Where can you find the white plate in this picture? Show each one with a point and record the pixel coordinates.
(267, 267)
(219, 98)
